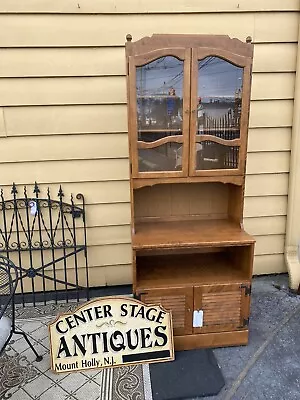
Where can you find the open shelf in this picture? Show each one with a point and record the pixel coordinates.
(161, 271)
(189, 233)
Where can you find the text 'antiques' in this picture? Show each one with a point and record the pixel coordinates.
(109, 332)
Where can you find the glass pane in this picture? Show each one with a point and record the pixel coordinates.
(220, 86)
(211, 155)
(167, 157)
(159, 86)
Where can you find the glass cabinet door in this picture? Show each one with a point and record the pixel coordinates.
(217, 102)
(160, 115)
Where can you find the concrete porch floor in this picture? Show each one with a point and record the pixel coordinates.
(268, 368)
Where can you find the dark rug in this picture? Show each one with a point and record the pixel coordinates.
(194, 373)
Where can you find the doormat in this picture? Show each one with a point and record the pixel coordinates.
(194, 373)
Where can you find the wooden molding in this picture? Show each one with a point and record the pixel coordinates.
(217, 42)
(224, 142)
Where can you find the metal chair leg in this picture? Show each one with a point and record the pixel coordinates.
(38, 357)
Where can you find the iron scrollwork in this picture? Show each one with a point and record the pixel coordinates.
(41, 234)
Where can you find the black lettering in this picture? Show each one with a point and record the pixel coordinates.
(133, 307)
(141, 312)
(98, 312)
(88, 311)
(79, 345)
(160, 317)
(160, 335)
(59, 329)
(124, 311)
(107, 309)
(129, 335)
(114, 337)
(145, 336)
(70, 322)
(79, 318)
(105, 342)
(106, 361)
(94, 341)
(148, 316)
(63, 347)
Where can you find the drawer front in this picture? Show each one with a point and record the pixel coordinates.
(178, 301)
(225, 307)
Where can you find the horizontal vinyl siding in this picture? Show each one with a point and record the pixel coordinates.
(109, 61)
(63, 116)
(100, 90)
(64, 171)
(102, 147)
(68, 119)
(144, 6)
(79, 119)
(99, 30)
(269, 139)
(269, 264)
(103, 192)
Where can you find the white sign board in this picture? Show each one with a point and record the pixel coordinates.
(110, 332)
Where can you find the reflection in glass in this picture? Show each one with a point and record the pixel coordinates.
(159, 86)
(167, 157)
(159, 94)
(219, 98)
(211, 155)
(220, 85)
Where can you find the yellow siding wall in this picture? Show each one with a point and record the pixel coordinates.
(63, 108)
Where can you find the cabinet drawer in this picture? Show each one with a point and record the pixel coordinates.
(179, 301)
(225, 307)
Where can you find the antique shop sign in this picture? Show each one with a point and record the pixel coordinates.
(109, 332)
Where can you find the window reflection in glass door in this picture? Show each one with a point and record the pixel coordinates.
(219, 108)
(159, 87)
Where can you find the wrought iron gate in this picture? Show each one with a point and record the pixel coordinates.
(46, 239)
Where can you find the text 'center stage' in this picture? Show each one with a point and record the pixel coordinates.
(109, 332)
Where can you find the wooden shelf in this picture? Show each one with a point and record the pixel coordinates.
(191, 233)
(154, 272)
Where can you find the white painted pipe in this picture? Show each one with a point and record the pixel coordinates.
(293, 210)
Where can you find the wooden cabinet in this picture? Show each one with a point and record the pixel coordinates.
(179, 300)
(225, 307)
(188, 109)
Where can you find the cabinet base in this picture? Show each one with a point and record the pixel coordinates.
(219, 339)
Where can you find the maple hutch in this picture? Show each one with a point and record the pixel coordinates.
(188, 110)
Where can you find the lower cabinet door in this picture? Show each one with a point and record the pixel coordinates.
(220, 308)
(177, 300)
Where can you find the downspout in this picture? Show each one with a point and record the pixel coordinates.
(292, 243)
